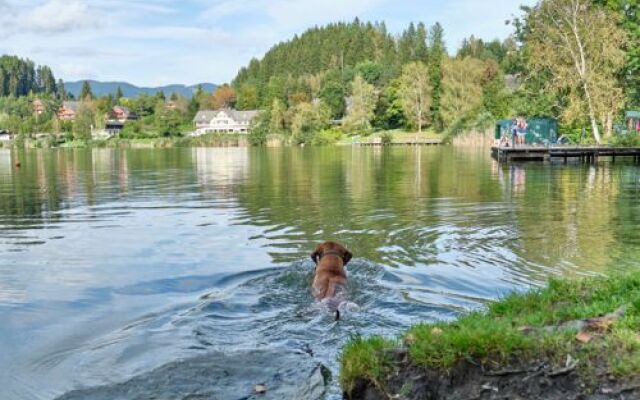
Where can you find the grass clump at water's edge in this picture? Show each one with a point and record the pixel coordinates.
(519, 327)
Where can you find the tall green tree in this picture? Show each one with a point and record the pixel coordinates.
(461, 89)
(46, 82)
(86, 93)
(421, 49)
(247, 97)
(333, 93)
(373, 73)
(61, 90)
(581, 46)
(363, 103)
(629, 10)
(406, 45)
(84, 121)
(495, 96)
(119, 95)
(437, 54)
(415, 93)
(18, 76)
(277, 117)
(307, 120)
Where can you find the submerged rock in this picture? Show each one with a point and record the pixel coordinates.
(225, 376)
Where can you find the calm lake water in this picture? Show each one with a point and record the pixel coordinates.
(115, 262)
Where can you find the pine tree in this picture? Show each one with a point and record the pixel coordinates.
(119, 95)
(421, 49)
(437, 53)
(85, 92)
(61, 91)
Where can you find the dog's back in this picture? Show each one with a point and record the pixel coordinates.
(330, 281)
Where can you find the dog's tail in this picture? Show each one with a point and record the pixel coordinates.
(337, 315)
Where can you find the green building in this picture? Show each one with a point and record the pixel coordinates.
(542, 131)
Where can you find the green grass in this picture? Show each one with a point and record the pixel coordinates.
(497, 335)
(364, 358)
(397, 134)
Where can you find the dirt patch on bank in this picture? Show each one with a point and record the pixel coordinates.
(538, 379)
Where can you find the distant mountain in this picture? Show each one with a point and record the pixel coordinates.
(104, 88)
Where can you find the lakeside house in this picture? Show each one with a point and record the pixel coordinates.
(115, 120)
(39, 107)
(223, 121)
(68, 110)
(5, 136)
(121, 114)
(171, 106)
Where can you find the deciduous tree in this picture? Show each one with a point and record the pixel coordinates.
(415, 93)
(84, 121)
(224, 97)
(461, 88)
(363, 104)
(581, 46)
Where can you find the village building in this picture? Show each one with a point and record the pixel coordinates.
(115, 120)
(68, 110)
(171, 106)
(223, 121)
(121, 114)
(5, 136)
(39, 107)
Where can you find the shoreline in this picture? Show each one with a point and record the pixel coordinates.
(225, 140)
(573, 339)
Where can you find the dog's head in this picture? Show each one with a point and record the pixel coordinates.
(327, 248)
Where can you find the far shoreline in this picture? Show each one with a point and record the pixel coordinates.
(222, 140)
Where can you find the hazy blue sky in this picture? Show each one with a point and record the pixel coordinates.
(156, 42)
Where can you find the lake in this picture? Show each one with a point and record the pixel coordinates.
(116, 262)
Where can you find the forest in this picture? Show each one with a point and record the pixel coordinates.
(577, 61)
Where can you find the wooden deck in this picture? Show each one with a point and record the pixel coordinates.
(585, 154)
(426, 142)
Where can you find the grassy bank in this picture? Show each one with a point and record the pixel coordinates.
(211, 140)
(553, 325)
(392, 135)
(323, 138)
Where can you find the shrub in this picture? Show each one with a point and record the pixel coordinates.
(626, 140)
(386, 138)
(327, 137)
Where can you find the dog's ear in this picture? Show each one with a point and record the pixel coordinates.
(314, 256)
(347, 257)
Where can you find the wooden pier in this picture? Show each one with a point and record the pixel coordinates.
(427, 142)
(585, 154)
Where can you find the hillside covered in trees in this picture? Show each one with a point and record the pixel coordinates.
(20, 77)
(370, 79)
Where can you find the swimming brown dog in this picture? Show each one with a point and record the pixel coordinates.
(330, 281)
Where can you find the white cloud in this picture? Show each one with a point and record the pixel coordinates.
(57, 16)
(283, 14)
(51, 16)
(227, 8)
(76, 69)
